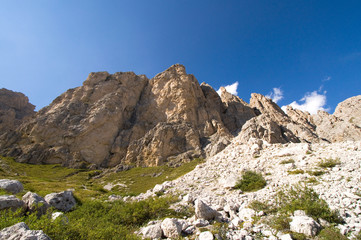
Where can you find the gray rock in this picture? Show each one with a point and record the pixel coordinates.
(10, 202)
(171, 228)
(305, 225)
(206, 236)
(34, 203)
(12, 186)
(60, 215)
(20, 231)
(201, 223)
(204, 211)
(152, 231)
(63, 201)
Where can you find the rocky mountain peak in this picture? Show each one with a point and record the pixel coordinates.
(14, 108)
(128, 119)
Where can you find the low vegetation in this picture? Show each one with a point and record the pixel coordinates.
(331, 233)
(45, 179)
(287, 161)
(97, 219)
(329, 163)
(251, 181)
(296, 171)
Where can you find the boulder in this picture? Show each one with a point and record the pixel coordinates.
(207, 235)
(34, 203)
(12, 186)
(61, 216)
(152, 231)
(246, 214)
(171, 228)
(22, 232)
(63, 201)
(305, 225)
(204, 211)
(10, 202)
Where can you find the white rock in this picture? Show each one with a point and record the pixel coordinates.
(158, 188)
(305, 225)
(246, 214)
(152, 231)
(63, 201)
(229, 181)
(12, 186)
(34, 202)
(10, 202)
(286, 237)
(200, 223)
(206, 236)
(171, 228)
(204, 211)
(21, 231)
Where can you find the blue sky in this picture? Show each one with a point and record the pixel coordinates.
(303, 48)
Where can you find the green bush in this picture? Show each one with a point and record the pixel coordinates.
(329, 163)
(251, 181)
(96, 219)
(331, 233)
(303, 198)
(287, 161)
(296, 171)
(316, 173)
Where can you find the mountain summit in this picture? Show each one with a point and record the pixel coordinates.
(129, 120)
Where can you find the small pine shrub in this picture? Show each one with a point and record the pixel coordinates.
(329, 163)
(296, 171)
(251, 181)
(316, 173)
(287, 161)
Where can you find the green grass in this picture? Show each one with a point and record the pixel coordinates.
(97, 220)
(287, 161)
(251, 181)
(141, 179)
(45, 179)
(329, 163)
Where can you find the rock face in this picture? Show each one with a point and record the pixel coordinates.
(129, 120)
(14, 108)
(22, 231)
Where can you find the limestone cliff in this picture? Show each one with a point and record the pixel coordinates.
(14, 108)
(128, 119)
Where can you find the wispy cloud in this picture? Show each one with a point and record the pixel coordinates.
(326, 79)
(230, 88)
(276, 94)
(311, 102)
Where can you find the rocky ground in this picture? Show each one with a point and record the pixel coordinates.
(283, 166)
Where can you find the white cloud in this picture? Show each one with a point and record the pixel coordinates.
(326, 79)
(311, 102)
(276, 95)
(230, 88)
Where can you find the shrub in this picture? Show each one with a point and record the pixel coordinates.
(280, 222)
(287, 161)
(303, 198)
(96, 219)
(251, 181)
(296, 171)
(331, 233)
(329, 163)
(316, 173)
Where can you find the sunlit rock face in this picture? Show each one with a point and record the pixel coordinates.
(128, 119)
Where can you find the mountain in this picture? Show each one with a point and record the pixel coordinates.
(124, 119)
